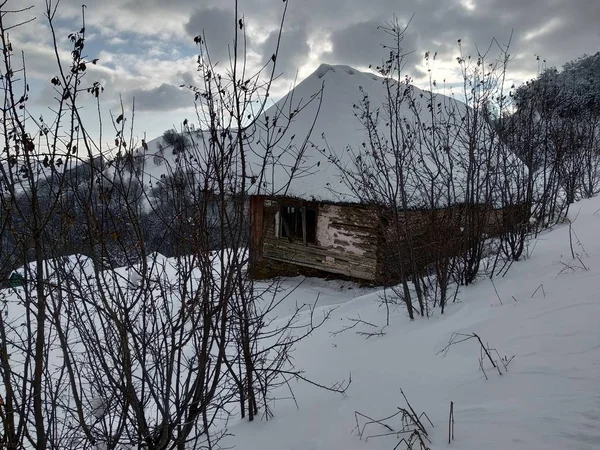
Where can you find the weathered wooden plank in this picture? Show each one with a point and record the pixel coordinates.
(364, 238)
(317, 251)
(353, 229)
(257, 232)
(299, 247)
(356, 221)
(309, 257)
(304, 225)
(335, 232)
(294, 250)
(358, 272)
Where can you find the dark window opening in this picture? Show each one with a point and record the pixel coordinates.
(311, 226)
(298, 224)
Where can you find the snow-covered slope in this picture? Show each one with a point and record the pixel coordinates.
(545, 312)
(318, 135)
(549, 398)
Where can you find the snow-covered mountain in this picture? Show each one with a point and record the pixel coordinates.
(335, 128)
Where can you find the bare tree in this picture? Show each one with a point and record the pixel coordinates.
(159, 353)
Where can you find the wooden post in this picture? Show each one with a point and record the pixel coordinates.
(304, 225)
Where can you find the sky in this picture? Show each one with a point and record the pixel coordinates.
(146, 50)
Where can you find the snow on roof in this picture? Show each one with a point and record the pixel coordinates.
(338, 135)
(336, 127)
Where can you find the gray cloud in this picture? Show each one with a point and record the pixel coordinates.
(572, 25)
(358, 44)
(165, 97)
(187, 78)
(293, 49)
(539, 28)
(217, 26)
(559, 31)
(576, 31)
(362, 44)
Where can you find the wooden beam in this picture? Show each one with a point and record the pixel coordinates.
(303, 211)
(358, 272)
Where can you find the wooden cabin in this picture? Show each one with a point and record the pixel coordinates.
(305, 215)
(291, 236)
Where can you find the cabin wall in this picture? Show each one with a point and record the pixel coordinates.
(436, 235)
(416, 238)
(508, 218)
(347, 243)
(365, 242)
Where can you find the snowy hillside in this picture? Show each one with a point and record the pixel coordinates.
(351, 142)
(545, 313)
(543, 317)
